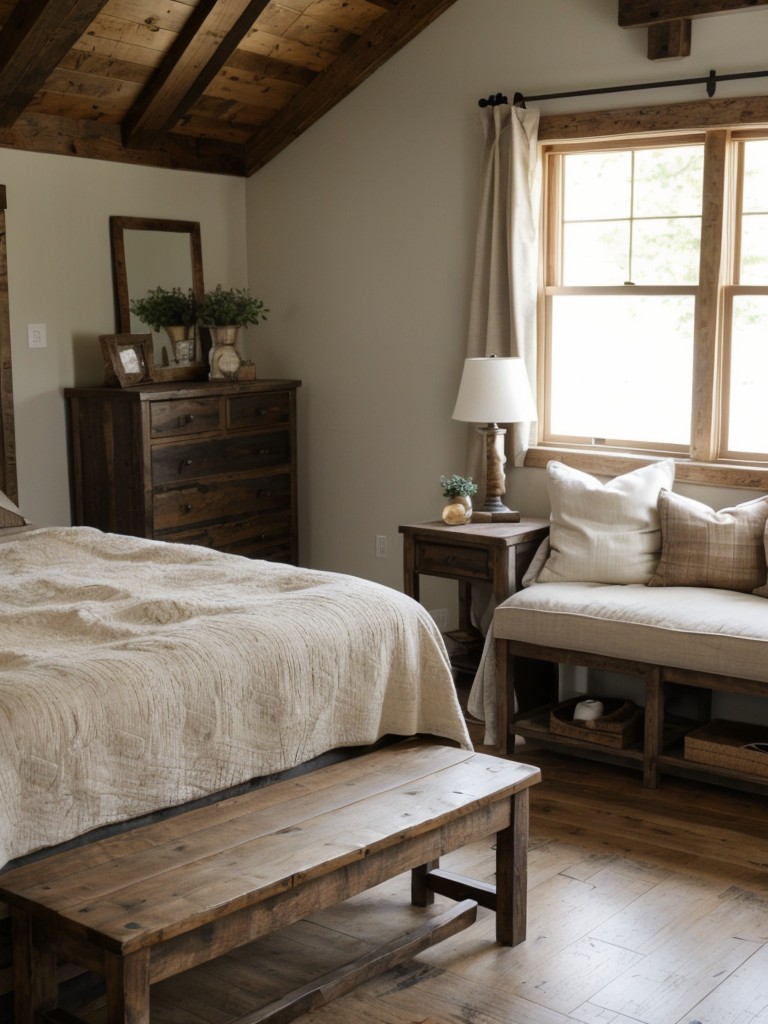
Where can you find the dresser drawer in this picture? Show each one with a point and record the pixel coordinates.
(456, 562)
(178, 507)
(174, 463)
(259, 410)
(270, 537)
(184, 416)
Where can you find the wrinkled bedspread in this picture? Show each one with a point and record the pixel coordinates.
(137, 675)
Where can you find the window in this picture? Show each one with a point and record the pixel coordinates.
(654, 326)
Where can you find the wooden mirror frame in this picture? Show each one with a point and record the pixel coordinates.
(117, 228)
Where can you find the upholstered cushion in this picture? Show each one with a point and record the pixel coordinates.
(706, 630)
(704, 548)
(604, 532)
(9, 513)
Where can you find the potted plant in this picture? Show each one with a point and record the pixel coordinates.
(459, 490)
(162, 307)
(231, 307)
(224, 311)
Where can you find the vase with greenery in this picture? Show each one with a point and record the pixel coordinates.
(231, 307)
(163, 307)
(459, 490)
(224, 311)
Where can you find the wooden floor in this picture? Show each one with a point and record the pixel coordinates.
(644, 906)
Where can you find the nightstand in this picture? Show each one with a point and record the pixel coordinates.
(494, 553)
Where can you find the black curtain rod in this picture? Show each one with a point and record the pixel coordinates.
(519, 100)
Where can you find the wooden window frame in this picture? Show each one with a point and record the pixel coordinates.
(718, 123)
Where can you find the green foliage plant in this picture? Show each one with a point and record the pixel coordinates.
(231, 307)
(162, 307)
(458, 486)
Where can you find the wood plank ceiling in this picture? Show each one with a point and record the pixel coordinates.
(210, 85)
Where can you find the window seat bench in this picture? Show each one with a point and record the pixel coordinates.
(699, 638)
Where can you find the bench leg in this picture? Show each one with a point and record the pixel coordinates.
(512, 874)
(421, 894)
(127, 984)
(35, 988)
(653, 737)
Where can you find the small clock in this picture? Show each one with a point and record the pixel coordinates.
(225, 362)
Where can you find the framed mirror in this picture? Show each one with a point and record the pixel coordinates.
(149, 253)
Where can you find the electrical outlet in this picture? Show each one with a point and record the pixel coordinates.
(381, 546)
(37, 336)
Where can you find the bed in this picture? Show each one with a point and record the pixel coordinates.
(138, 676)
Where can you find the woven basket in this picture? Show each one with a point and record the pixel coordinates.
(722, 743)
(619, 727)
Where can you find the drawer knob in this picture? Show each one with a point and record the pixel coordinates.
(187, 508)
(265, 451)
(265, 494)
(185, 462)
(183, 420)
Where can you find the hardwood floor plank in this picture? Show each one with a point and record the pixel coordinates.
(741, 998)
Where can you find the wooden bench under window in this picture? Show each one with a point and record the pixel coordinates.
(158, 900)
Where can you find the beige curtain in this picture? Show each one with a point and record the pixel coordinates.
(502, 319)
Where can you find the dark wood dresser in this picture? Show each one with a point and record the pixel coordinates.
(210, 463)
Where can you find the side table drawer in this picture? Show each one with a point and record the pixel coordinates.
(454, 561)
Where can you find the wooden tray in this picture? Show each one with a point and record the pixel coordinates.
(619, 727)
(723, 743)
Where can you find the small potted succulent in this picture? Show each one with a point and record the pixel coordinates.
(459, 490)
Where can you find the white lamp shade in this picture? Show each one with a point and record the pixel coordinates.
(495, 390)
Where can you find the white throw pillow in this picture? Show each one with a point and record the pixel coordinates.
(604, 532)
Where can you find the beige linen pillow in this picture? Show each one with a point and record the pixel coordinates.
(9, 513)
(704, 548)
(604, 532)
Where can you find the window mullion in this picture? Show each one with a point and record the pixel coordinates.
(705, 425)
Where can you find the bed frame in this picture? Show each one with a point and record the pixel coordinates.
(8, 482)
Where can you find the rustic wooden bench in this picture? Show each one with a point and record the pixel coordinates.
(152, 902)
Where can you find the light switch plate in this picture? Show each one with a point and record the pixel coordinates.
(37, 335)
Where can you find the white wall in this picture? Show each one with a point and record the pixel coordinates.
(360, 238)
(60, 274)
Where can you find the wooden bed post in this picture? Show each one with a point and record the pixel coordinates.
(8, 481)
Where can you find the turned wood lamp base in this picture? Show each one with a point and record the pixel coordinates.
(493, 509)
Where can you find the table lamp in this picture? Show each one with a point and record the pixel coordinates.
(493, 390)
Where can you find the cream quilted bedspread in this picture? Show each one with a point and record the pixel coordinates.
(136, 675)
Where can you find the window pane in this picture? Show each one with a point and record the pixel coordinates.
(668, 181)
(596, 253)
(755, 197)
(621, 367)
(754, 249)
(597, 185)
(632, 215)
(666, 251)
(747, 419)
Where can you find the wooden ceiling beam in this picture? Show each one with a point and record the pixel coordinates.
(49, 133)
(212, 33)
(35, 38)
(643, 13)
(385, 37)
(670, 39)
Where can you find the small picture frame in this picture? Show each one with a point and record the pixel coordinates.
(127, 359)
